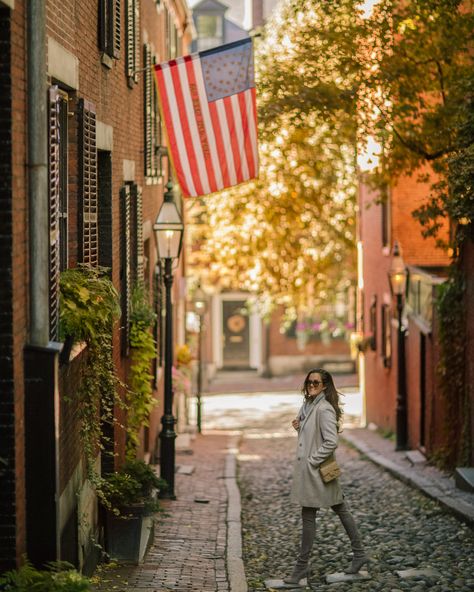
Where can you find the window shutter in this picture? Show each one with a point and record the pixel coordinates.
(133, 37)
(125, 265)
(88, 205)
(148, 111)
(117, 28)
(138, 232)
(53, 174)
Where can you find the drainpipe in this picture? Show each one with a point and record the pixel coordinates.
(38, 173)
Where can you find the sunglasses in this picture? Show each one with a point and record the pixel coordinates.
(315, 383)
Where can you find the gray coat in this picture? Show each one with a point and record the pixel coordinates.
(317, 440)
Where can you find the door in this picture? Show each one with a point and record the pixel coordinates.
(236, 334)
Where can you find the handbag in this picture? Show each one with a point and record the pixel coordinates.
(329, 470)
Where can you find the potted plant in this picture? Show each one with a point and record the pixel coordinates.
(130, 500)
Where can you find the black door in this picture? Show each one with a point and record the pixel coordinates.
(236, 335)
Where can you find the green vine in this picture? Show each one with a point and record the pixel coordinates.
(89, 307)
(451, 370)
(140, 401)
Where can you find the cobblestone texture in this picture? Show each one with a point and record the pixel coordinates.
(189, 548)
(402, 528)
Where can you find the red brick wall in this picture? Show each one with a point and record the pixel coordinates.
(468, 266)
(20, 253)
(74, 25)
(381, 382)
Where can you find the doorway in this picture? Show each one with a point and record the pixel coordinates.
(235, 334)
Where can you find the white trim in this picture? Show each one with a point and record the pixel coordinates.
(62, 64)
(9, 3)
(105, 136)
(255, 329)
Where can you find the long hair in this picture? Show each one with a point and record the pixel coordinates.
(330, 392)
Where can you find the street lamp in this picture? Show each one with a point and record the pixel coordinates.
(397, 276)
(200, 306)
(168, 230)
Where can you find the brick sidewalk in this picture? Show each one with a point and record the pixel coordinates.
(189, 548)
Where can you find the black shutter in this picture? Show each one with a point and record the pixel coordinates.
(117, 29)
(137, 231)
(133, 39)
(110, 27)
(125, 265)
(149, 148)
(53, 181)
(88, 231)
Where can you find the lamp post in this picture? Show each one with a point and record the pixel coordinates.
(200, 306)
(398, 281)
(168, 230)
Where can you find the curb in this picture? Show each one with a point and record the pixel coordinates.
(455, 505)
(235, 564)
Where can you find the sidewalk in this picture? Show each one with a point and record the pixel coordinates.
(197, 545)
(428, 479)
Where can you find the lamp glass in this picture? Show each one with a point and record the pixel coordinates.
(168, 231)
(398, 276)
(200, 301)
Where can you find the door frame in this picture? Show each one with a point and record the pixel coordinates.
(255, 329)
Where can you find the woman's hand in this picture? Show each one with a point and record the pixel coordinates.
(296, 424)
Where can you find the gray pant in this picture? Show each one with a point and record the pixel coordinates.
(309, 532)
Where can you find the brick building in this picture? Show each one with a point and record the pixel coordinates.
(382, 221)
(83, 168)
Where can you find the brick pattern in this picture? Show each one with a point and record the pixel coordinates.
(7, 415)
(189, 548)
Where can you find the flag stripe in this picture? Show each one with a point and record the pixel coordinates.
(203, 123)
(233, 138)
(170, 130)
(239, 128)
(175, 123)
(185, 126)
(252, 111)
(191, 118)
(220, 145)
(246, 134)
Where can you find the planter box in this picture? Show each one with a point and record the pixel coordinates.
(127, 539)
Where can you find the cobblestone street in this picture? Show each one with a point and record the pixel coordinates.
(402, 528)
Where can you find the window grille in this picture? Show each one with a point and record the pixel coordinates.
(133, 40)
(88, 197)
(53, 178)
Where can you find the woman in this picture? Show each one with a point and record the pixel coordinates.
(317, 425)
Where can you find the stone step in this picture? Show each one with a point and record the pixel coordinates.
(464, 478)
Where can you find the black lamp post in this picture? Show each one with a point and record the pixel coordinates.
(398, 281)
(200, 306)
(168, 230)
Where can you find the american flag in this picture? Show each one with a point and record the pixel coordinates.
(208, 106)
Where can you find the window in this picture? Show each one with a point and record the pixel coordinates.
(154, 151)
(386, 336)
(373, 323)
(386, 222)
(58, 198)
(104, 162)
(133, 41)
(110, 27)
(210, 30)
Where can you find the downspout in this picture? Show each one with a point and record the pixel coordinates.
(38, 173)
